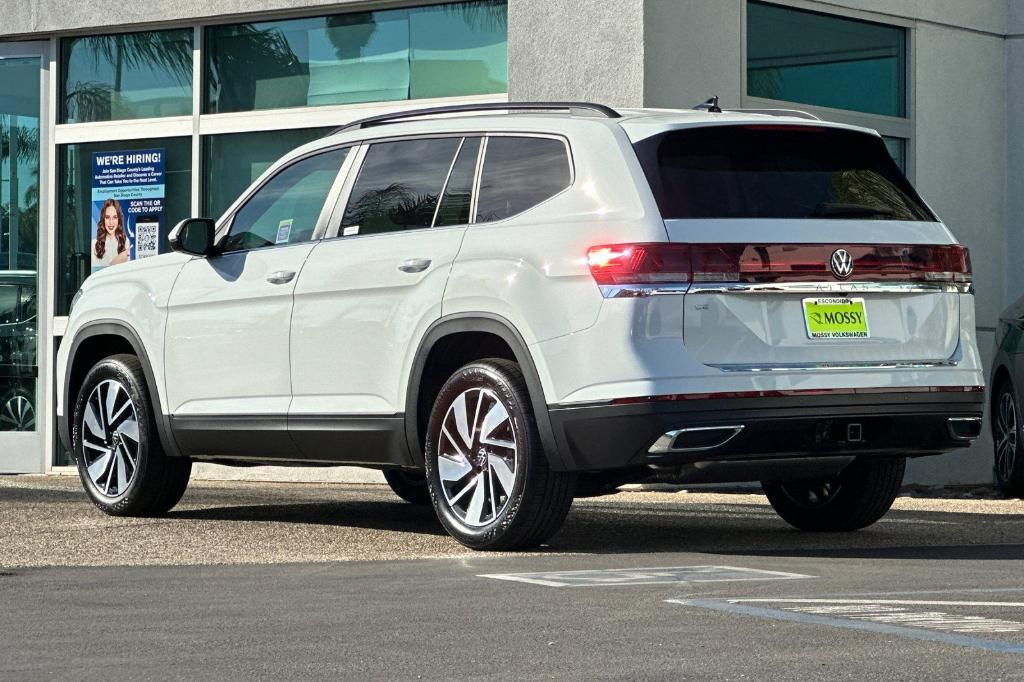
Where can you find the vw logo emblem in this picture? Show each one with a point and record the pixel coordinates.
(842, 263)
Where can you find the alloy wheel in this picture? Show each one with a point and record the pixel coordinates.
(18, 414)
(1006, 436)
(477, 459)
(110, 438)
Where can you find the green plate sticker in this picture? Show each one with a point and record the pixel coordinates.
(836, 318)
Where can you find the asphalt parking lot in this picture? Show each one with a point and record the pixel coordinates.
(248, 580)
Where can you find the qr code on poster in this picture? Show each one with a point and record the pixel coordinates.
(147, 236)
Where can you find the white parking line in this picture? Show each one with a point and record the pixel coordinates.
(645, 576)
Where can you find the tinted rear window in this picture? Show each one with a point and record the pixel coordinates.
(519, 173)
(777, 172)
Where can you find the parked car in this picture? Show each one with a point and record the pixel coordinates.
(1008, 462)
(18, 368)
(505, 311)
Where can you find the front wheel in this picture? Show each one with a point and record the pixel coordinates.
(120, 459)
(488, 477)
(857, 497)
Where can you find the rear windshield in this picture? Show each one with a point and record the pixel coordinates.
(774, 171)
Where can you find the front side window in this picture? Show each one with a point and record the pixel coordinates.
(519, 173)
(233, 161)
(126, 76)
(772, 171)
(285, 209)
(399, 185)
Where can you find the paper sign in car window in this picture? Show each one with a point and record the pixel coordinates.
(284, 231)
(350, 230)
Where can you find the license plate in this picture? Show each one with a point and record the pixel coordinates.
(835, 318)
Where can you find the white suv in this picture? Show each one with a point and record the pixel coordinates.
(523, 303)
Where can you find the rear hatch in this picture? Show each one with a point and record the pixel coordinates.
(806, 246)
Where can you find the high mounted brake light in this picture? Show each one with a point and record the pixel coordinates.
(770, 263)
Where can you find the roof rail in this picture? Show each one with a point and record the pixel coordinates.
(383, 119)
(795, 113)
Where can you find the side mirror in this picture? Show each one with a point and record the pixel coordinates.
(193, 236)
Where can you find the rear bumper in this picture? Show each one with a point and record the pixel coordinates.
(775, 425)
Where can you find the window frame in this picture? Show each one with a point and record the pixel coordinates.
(903, 128)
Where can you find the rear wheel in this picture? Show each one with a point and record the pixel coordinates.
(1006, 439)
(857, 497)
(411, 486)
(120, 459)
(487, 473)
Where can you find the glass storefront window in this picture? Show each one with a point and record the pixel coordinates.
(825, 60)
(232, 162)
(126, 76)
(19, 242)
(437, 51)
(79, 203)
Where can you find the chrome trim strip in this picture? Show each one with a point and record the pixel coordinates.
(664, 444)
(641, 290)
(831, 287)
(644, 290)
(952, 361)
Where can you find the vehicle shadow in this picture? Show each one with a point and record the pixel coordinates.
(376, 515)
(610, 526)
(755, 530)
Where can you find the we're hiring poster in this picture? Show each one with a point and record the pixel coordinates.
(127, 206)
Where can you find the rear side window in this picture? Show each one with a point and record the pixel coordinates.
(286, 208)
(519, 173)
(774, 171)
(399, 185)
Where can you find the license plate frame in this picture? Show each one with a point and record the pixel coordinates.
(832, 318)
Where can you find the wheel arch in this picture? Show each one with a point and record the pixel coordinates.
(512, 346)
(95, 341)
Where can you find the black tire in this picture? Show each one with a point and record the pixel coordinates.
(156, 482)
(540, 498)
(411, 486)
(1008, 460)
(860, 495)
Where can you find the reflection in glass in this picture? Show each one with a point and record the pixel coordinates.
(126, 76)
(437, 51)
(398, 185)
(825, 60)
(285, 209)
(458, 193)
(519, 173)
(19, 242)
(76, 230)
(234, 161)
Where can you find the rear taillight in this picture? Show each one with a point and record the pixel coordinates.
(640, 263)
(764, 263)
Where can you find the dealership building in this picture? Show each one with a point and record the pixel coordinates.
(204, 96)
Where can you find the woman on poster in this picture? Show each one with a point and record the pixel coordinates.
(111, 245)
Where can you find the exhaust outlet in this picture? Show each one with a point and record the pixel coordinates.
(964, 428)
(695, 439)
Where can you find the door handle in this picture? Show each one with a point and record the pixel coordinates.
(281, 277)
(415, 265)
